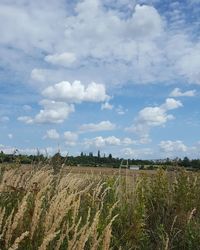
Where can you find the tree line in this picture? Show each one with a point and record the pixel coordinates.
(97, 160)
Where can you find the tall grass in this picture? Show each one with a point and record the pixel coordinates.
(41, 209)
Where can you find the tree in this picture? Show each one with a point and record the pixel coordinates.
(90, 154)
(186, 162)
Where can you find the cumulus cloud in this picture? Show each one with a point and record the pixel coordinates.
(101, 142)
(61, 98)
(120, 110)
(106, 105)
(27, 107)
(144, 139)
(178, 93)
(128, 141)
(184, 57)
(10, 136)
(65, 59)
(38, 75)
(52, 112)
(27, 151)
(4, 119)
(171, 103)
(31, 26)
(123, 42)
(150, 117)
(142, 43)
(52, 134)
(137, 153)
(189, 64)
(115, 41)
(76, 92)
(173, 146)
(70, 138)
(109, 41)
(101, 126)
(25, 119)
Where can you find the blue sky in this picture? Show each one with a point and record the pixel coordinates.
(118, 76)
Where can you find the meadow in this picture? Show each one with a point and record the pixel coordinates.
(67, 209)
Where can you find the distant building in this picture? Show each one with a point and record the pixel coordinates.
(134, 167)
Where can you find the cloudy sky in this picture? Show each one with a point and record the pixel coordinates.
(119, 76)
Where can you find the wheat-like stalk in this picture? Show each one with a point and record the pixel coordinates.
(72, 243)
(77, 211)
(37, 212)
(7, 229)
(86, 231)
(167, 242)
(60, 205)
(108, 234)
(191, 215)
(62, 237)
(20, 213)
(18, 241)
(47, 240)
(2, 215)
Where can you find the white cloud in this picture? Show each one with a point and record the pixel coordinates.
(110, 43)
(120, 110)
(70, 138)
(38, 75)
(171, 103)
(27, 107)
(57, 108)
(10, 136)
(128, 141)
(189, 64)
(76, 92)
(143, 43)
(106, 105)
(28, 151)
(25, 119)
(103, 44)
(101, 126)
(137, 153)
(144, 139)
(178, 93)
(153, 116)
(52, 112)
(101, 142)
(65, 59)
(112, 140)
(184, 56)
(4, 119)
(173, 146)
(52, 134)
(122, 41)
(31, 25)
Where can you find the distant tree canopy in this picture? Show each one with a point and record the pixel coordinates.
(97, 160)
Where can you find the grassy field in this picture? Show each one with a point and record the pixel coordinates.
(87, 170)
(92, 208)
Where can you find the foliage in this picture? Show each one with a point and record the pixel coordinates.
(99, 160)
(41, 209)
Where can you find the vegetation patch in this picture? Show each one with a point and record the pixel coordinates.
(48, 209)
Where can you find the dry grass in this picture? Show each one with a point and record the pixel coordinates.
(99, 211)
(47, 211)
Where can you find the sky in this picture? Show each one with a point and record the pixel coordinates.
(119, 76)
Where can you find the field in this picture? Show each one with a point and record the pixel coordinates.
(94, 208)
